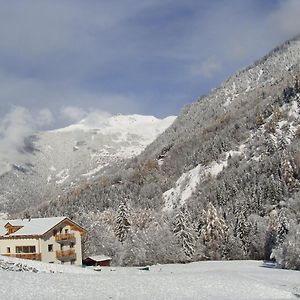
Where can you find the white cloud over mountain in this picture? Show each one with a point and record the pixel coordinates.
(130, 56)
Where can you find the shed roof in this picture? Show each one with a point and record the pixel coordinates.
(99, 257)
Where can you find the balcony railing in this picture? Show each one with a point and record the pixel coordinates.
(65, 238)
(66, 255)
(31, 256)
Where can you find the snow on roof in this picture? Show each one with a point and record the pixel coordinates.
(35, 226)
(99, 257)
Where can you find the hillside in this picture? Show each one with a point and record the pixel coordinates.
(222, 182)
(61, 159)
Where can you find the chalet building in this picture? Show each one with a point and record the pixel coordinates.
(97, 260)
(52, 240)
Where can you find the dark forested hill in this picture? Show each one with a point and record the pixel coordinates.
(221, 183)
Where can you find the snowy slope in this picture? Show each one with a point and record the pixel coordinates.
(188, 181)
(203, 280)
(65, 157)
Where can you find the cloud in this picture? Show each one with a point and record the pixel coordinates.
(210, 67)
(72, 113)
(96, 118)
(91, 117)
(15, 129)
(44, 117)
(285, 19)
(68, 101)
(128, 56)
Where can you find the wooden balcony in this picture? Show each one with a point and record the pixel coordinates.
(31, 256)
(66, 255)
(65, 238)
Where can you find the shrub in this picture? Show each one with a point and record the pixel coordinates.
(288, 253)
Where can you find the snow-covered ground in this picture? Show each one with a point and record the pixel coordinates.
(202, 280)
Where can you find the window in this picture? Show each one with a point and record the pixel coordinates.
(66, 231)
(50, 248)
(8, 250)
(72, 245)
(25, 249)
(72, 262)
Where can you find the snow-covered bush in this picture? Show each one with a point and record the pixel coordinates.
(288, 253)
(185, 233)
(214, 234)
(16, 266)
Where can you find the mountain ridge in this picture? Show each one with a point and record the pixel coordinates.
(61, 159)
(222, 182)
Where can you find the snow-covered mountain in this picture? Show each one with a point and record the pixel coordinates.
(231, 158)
(62, 158)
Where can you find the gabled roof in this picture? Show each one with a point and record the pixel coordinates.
(7, 225)
(35, 226)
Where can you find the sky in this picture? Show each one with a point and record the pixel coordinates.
(62, 59)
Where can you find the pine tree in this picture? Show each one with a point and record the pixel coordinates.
(259, 119)
(274, 190)
(184, 232)
(282, 227)
(243, 231)
(122, 223)
(214, 233)
(200, 222)
(271, 235)
(257, 198)
(287, 169)
(297, 84)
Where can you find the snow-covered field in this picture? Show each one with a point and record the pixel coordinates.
(202, 280)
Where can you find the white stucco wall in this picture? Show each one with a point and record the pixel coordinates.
(12, 243)
(50, 239)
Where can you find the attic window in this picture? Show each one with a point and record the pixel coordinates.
(12, 229)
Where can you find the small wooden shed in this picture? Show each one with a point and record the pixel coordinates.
(97, 260)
